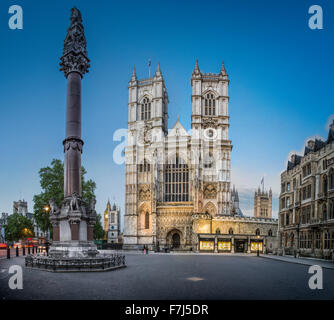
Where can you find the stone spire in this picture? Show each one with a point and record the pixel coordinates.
(75, 56)
(223, 70)
(134, 76)
(196, 69)
(158, 72)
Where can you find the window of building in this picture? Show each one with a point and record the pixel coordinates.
(146, 109)
(317, 240)
(288, 186)
(307, 170)
(294, 183)
(307, 192)
(324, 212)
(218, 231)
(327, 240)
(283, 187)
(210, 105)
(257, 232)
(324, 164)
(325, 185)
(331, 178)
(176, 181)
(144, 167)
(306, 214)
(309, 241)
(283, 203)
(147, 220)
(331, 209)
(288, 201)
(270, 233)
(230, 231)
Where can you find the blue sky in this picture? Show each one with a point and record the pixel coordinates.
(280, 90)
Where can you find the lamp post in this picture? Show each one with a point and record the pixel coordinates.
(258, 245)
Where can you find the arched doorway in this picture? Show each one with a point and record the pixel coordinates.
(176, 240)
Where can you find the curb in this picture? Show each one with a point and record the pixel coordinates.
(298, 262)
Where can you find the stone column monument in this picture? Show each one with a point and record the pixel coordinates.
(73, 224)
(73, 248)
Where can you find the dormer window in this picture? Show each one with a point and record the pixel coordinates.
(210, 105)
(146, 109)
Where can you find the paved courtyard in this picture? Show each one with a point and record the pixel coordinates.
(171, 276)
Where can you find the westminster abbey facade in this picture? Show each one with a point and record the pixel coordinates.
(175, 177)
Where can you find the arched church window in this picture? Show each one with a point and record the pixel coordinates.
(210, 104)
(147, 220)
(176, 175)
(325, 184)
(324, 212)
(146, 109)
(257, 232)
(331, 178)
(230, 231)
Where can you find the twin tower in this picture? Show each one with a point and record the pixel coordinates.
(173, 174)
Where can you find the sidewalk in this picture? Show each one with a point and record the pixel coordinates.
(305, 261)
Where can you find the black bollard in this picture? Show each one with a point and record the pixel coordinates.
(8, 253)
(33, 249)
(17, 251)
(24, 251)
(28, 250)
(47, 250)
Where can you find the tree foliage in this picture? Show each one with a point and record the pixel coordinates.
(18, 227)
(52, 184)
(98, 229)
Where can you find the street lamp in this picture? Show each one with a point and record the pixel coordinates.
(258, 245)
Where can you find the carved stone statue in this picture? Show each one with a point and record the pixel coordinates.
(74, 203)
(92, 205)
(53, 207)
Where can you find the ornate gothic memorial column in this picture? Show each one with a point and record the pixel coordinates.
(73, 224)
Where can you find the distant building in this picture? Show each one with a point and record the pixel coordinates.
(3, 222)
(235, 210)
(263, 203)
(21, 207)
(306, 207)
(112, 223)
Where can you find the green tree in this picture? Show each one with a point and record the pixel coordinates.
(52, 184)
(18, 227)
(98, 229)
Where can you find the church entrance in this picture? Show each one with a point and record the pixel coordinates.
(176, 240)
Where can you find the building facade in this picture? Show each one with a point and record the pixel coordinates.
(306, 216)
(174, 177)
(263, 203)
(112, 223)
(21, 207)
(234, 234)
